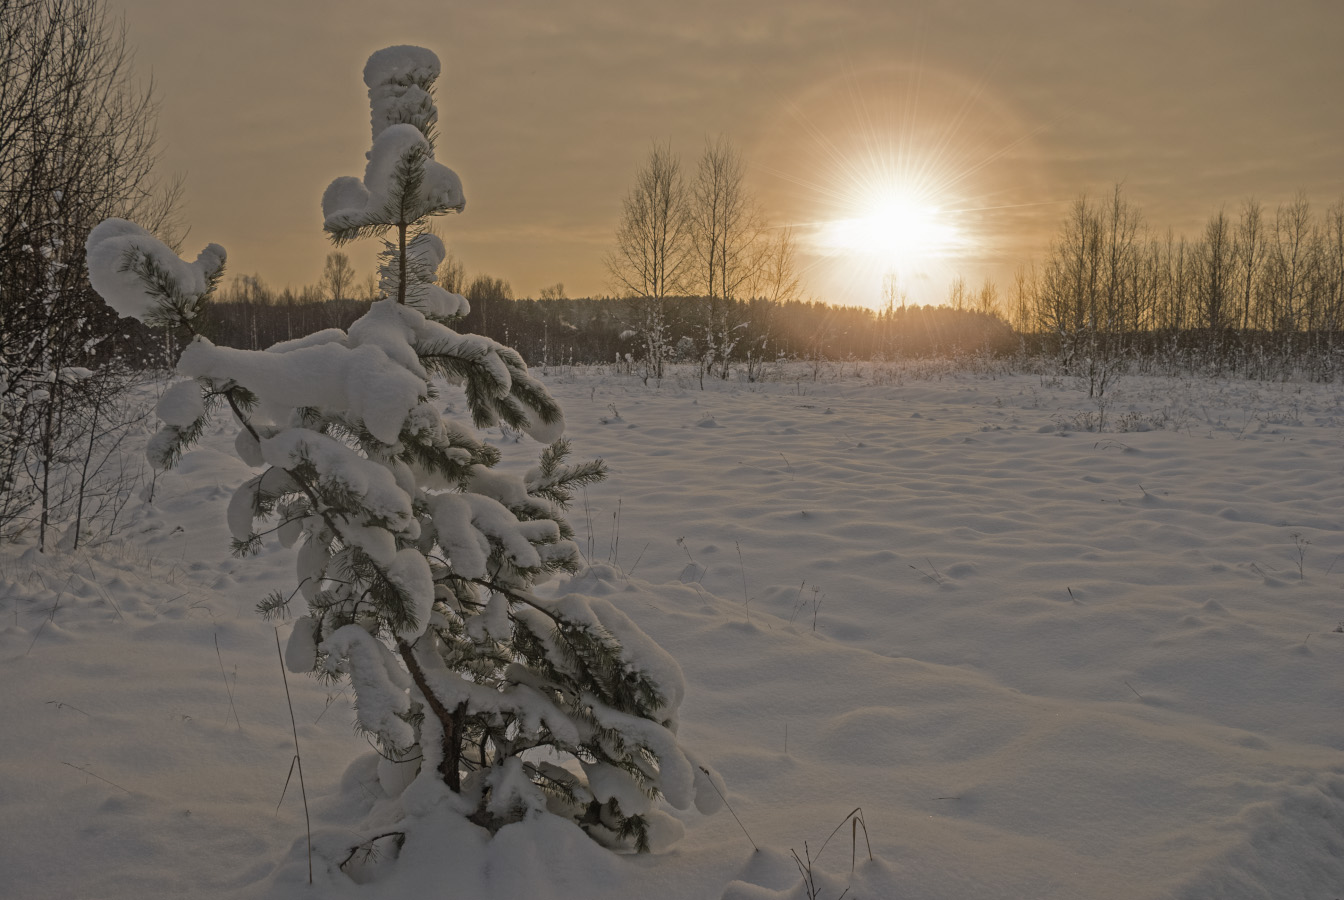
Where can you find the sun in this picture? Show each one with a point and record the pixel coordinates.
(897, 229)
(902, 180)
(898, 211)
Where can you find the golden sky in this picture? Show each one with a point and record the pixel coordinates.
(1010, 110)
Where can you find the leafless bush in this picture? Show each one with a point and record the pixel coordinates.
(77, 144)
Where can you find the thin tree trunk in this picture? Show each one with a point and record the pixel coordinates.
(451, 722)
(48, 427)
(84, 471)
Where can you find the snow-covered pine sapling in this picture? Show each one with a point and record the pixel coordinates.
(414, 555)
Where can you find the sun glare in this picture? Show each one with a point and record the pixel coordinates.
(896, 230)
(910, 177)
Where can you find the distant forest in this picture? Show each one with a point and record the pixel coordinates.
(604, 330)
(1256, 294)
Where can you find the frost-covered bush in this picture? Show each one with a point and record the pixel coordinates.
(415, 556)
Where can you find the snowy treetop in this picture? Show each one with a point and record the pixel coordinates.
(401, 81)
(350, 204)
(402, 182)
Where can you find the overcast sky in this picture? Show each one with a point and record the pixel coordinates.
(547, 108)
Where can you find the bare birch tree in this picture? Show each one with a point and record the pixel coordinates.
(1250, 257)
(1333, 267)
(779, 282)
(338, 276)
(1215, 266)
(652, 257)
(1288, 261)
(652, 254)
(452, 274)
(726, 231)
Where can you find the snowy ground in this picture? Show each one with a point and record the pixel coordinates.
(1046, 662)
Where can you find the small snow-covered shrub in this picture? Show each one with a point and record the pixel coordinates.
(415, 557)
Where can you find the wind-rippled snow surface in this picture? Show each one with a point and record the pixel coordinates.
(1046, 662)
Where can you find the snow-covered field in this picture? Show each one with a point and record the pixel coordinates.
(1045, 662)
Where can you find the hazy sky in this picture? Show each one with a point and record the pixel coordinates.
(547, 107)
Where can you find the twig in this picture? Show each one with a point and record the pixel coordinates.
(805, 870)
(285, 790)
(588, 521)
(298, 760)
(1302, 544)
(108, 598)
(936, 577)
(746, 601)
(616, 534)
(227, 687)
(91, 775)
(50, 618)
(637, 559)
(710, 779)
(368, 845)
(330, 699)
(798, 601)
(857, 817)
(701, 570)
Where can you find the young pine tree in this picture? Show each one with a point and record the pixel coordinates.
(415, 556)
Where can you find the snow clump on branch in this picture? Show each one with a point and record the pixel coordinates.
(135, 272)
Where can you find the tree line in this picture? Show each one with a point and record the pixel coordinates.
(558, 330)
(1258, 293)
(1252, 289)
